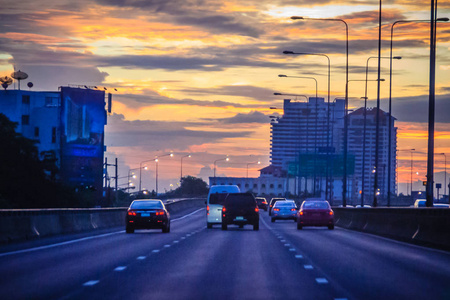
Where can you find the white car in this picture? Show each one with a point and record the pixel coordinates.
(214, 203)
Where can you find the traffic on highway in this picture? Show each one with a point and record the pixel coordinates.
(196, 262)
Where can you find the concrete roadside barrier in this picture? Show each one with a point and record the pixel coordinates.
(26, 224)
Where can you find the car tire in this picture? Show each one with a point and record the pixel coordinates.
(299, 227)
(129, 229)
(209, 225)
(256, 226)
(224, 226)
(166, 229)
(273, 220)
(331, 227)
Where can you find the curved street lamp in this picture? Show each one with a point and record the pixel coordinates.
(226, 158)
(252, 163)
(181, 173)
(156, 161)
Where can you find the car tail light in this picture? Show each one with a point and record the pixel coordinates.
(276, 209)
(264, 202)
(224, 209)
(300, 213)
(131, 213)
(160, 213)
(256, 209)
(331, 212)
(293, 209)
(271, 205)
(207, 210)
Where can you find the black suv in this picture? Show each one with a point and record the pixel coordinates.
(240, 209)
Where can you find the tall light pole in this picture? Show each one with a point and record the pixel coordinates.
(133, 176)
(156, 161)
(327, 182)
(252, 163)
(344, 180)
(411, 187)
(140, 172)
(181, 172)
(364, 126)
(226, 158)
(445, 173)
(315, 137)
(389, 129)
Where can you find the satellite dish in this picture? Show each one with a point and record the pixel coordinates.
(7, 80)
(30, 84)
(5, 85)
(19, 75)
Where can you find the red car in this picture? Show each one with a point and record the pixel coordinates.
(315, 213)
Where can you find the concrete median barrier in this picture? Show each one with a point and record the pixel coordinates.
(423, 226)
(26, 224)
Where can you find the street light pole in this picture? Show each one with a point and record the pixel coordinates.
(445, 173)
(181, 172)
(327, 183)
(252, 163)
(156, 161)
(411, 187)
(227, 159)
(344, 180)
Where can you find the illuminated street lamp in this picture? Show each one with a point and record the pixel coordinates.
(156, 161)
(252, 163)
(130, 174)
(227, 159)
(181, 173)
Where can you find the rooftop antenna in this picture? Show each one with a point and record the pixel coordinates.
(19, 75)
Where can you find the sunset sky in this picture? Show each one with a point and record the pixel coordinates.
(198, 76)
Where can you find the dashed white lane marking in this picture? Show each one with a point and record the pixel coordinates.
(155, 251)
(141, 257)
(120, 268)
(292, 249)
(188, 234)
(176, 242)
(299, 256)
(287, 245)
(308, 267)
(166, 246)
(91, 283)
(321, 280)
(183, 238)
(283, 241)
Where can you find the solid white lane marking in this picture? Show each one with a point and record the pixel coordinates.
(292, 249)
(166, 246)
(121, 268)
(84, 239)
(321, 280)
(141, 257)
(155, 251)
(299, 256)
(91, 283)
(308, 267)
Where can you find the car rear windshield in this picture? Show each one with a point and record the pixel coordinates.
(240, 200)
(284, 204)
(146, 205)
(217, 198)
(321, 204)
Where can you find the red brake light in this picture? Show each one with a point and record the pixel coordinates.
(293, 209)
(256, 209)
(301, 212)
(160, 213)
(224, 209)
(331, 212)
(131, 213)
(276, 209)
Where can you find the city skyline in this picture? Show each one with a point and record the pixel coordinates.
(199, 76)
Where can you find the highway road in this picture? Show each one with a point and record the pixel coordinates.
(193, 262)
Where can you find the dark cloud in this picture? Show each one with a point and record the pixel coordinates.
(257, 93)
(240, 118)
(154, 135)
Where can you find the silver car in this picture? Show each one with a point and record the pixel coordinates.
(284, 210)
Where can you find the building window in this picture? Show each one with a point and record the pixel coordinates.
(280, 186)
(25, 119)
(255, 185)
(263, 186)
(36, 131)
(53, 135)
(48, 101)
(26, 99)
(271, 186)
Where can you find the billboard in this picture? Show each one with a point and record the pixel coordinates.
(311, 164)
(82, 123)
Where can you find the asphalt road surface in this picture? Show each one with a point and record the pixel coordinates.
(193, 262)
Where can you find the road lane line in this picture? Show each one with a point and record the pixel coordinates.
(321, 280)
(188, 215)
(287, 245)
(141, 257)
(155, 251)
(308, 267)
(298, 256)
(176, 242)
(120, 268)
(292, 249)
(91, 283)
(166, 246)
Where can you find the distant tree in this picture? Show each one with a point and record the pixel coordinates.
(192, 186)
